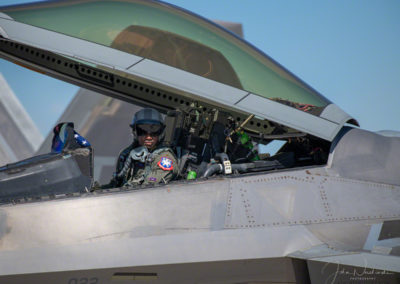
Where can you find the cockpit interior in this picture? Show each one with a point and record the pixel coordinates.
(223, 99)
(209, 143)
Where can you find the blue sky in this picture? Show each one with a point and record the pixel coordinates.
(348, 50)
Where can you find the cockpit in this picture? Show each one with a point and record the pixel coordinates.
(222, 98)
(208, 143)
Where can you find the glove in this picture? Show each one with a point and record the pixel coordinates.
(137, 154)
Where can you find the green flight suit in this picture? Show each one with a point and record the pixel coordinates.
(160, 166)
(148, 170)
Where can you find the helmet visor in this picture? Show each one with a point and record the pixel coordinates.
(149, 129)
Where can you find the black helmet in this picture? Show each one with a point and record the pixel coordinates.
(147, 116)
(148, 120)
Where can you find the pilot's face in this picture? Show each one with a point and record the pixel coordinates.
(148, 135)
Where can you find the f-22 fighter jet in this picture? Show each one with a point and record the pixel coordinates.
(324, 209)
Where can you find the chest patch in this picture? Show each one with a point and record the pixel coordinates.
(166, 164)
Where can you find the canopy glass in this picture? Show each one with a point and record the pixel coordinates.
(176, 37)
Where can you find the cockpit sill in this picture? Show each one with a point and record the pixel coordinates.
(159, 187)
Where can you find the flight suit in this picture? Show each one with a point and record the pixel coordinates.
(137, 166)
(158, 166)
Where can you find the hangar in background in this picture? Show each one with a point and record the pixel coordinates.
(19, 136)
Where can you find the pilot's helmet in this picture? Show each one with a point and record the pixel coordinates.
(148, 120)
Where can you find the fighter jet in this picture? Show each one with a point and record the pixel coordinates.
(323, 209)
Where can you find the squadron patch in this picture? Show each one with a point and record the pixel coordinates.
(165, 164)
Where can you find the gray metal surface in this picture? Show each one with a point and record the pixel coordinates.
(5, 16)
(171, 224)
(337, 273)
(262, 271)
(288, 116)
(307, 197)
(68, 46)
(341, 213)
(362, 259)
(277, 215)
(333, 113)
(187, 82)
(49, 174)
(367, 156)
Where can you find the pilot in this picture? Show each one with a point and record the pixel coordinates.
(146, 161)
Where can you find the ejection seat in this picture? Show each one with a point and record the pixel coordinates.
(66, 170)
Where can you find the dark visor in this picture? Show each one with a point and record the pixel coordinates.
(148, 129)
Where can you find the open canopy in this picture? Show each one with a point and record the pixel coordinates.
(167, 45)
